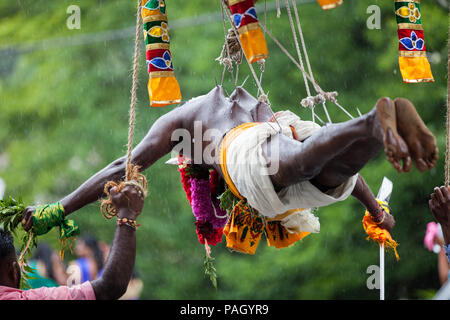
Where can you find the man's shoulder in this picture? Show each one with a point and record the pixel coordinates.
(83, 291)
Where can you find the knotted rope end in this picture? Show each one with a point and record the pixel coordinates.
(133, 178)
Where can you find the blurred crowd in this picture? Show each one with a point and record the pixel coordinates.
(434, 242)
(90, 257)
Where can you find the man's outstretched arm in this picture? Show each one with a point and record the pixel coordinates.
(363, 193)
(119, 267)
(155, 145)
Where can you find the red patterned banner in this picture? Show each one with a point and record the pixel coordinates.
(251, 36)
(413, 61)
(163, 88)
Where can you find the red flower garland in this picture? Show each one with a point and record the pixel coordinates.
(202, 189)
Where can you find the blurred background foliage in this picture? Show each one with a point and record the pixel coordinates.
(64, 99)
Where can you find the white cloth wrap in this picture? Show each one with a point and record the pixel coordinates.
(249, 172)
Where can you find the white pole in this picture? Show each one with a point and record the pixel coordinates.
(382, 272)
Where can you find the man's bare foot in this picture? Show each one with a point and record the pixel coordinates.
(395, 147)
(420, 140)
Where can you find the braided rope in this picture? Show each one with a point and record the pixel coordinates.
(447, 152)
(132, 119)
(132, 175)
(297, 46)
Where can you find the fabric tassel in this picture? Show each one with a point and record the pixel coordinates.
(330, 4)
(413, 61)
(279, 237)
(163, 88)
(246, 22)
(243, 231)
(245, 228)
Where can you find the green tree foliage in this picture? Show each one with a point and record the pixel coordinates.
(64, 113)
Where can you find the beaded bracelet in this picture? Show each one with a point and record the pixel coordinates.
(384, 216)
(128, 222)
(380, 211)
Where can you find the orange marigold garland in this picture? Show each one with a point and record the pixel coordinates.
(378, 234)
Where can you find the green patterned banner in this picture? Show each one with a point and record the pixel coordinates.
(156, 32)
(408, 12)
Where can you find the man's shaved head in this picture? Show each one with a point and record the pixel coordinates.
(6, 245)
(9, 270)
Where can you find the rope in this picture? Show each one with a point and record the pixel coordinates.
(284, 50)
(447, 151)
(278, 9)
(297, 47)
(262, 63)
(263, 97)
(132, 119)
(132, 175)
(309, 101)
(225, 61)
(302, 39)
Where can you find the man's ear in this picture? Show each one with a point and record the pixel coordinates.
(14, 274)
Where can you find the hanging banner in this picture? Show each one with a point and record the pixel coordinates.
(413, 60)
(163, 88)
(330, 4)
(250, 34)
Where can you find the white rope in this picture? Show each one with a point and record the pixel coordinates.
(227, 63)
(282, 48)
(302, 39)
(263, 97)
(297, 47)
(309, 101)
(262, 62)
(326, 112)
(321, 98)
(278, 9)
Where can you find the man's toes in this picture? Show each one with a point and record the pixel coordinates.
(396, 165)
(421, 165)
(407, 164)
(435, 155)
(432, 163)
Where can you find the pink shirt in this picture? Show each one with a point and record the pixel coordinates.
(83, 291)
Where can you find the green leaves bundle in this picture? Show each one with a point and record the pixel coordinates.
(11, 213)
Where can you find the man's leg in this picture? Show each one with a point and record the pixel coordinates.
(338, 151)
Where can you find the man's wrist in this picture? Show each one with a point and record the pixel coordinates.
(376, 211)
(127, 213)
(128, 222)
